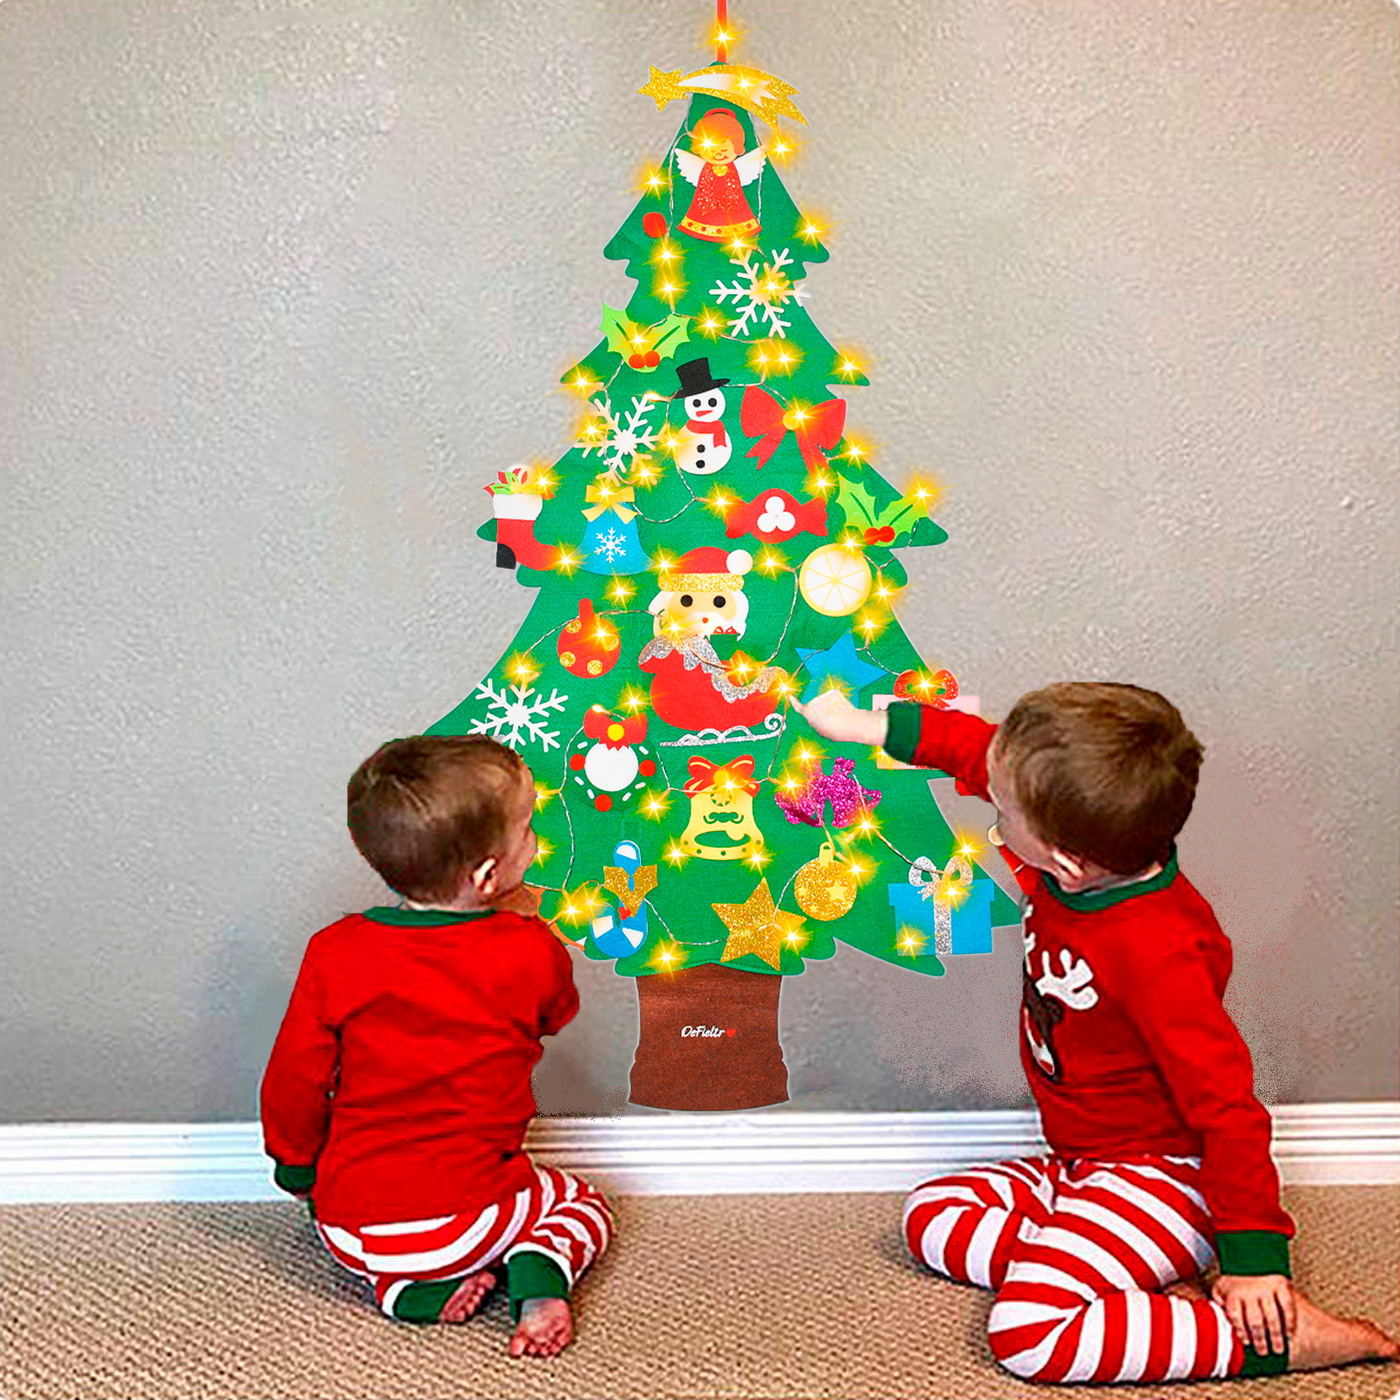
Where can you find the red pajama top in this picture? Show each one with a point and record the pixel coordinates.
(1125, 1039)
(401, 1073)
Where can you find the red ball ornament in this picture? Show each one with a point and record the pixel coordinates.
(576, 762)
(653, 225)
(602, 802)
(646, 768)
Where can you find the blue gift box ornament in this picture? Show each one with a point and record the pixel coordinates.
(949, 907)
(617, 933)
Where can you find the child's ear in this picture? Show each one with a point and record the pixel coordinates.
(1068, 868)
(483, 878)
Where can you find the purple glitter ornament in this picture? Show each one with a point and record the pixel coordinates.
(846, 795)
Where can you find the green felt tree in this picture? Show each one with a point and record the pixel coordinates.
(712, 544)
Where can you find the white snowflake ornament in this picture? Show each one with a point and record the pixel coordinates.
(759, 294)
(517, 715)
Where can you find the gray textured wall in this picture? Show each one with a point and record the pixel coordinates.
(282, 283)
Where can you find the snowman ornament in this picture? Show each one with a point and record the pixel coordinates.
(705, 446)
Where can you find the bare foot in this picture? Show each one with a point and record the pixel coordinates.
(467, 1299)
(546, 1327)
(1192, 1289)
(1324, 1340)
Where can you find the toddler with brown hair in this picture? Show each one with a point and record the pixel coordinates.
(1159, 1162)
(398, 1091)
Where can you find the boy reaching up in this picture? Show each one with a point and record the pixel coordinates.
(1159, 1160)
(398, 1091)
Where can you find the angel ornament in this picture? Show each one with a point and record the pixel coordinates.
(719, 169)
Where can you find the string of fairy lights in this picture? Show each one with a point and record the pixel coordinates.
(768, 358)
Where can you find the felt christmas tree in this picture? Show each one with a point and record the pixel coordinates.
(713, 543)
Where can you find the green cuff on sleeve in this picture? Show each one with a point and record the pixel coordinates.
(532, 1275)
(1253, 1252)
(902, 737)
(297, 1181)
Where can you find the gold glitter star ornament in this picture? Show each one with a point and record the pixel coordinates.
(750, 88)
(755, 926)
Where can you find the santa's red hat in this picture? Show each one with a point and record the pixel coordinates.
(707, 570)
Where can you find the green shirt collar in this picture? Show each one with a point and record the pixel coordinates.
(1092, 901)
(423, 918)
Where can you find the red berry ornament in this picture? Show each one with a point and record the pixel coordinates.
(651, 359)
(653, 225)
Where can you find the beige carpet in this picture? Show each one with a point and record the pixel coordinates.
(738, 1296)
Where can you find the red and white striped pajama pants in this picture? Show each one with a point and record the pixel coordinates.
(558, 1216)
(1078, 1252)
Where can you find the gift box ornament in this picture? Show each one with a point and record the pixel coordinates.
(948, 907)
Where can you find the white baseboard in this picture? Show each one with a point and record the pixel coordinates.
(1343, 1144)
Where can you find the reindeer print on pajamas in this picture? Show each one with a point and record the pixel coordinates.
(1159, 1151)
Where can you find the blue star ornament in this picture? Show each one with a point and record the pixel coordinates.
(837, 663)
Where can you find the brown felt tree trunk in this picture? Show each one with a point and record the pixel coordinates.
(709, 1040)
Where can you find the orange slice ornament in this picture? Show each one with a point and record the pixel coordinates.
(835, 580)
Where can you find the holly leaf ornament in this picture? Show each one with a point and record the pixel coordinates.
(644, 347)
(857, 503)
(902, 521)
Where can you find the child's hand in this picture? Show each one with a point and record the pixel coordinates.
(833, 716)
(523, 900)
(1262, 1309)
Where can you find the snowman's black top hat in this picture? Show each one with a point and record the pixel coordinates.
(696, 379)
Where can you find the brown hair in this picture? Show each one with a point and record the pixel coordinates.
(423, 810)
(719, 125)
(1103, 771)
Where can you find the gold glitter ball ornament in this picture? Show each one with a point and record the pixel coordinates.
(825, 888)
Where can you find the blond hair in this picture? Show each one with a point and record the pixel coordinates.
(1103, 771)
(425, 810)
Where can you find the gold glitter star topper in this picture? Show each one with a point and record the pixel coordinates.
(750, 88)
(755, 926)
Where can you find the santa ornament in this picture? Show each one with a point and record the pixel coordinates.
(705, 446)
(692, 687)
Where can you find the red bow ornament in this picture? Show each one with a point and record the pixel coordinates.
(816, 429)
(704, 774)
(612, 730)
